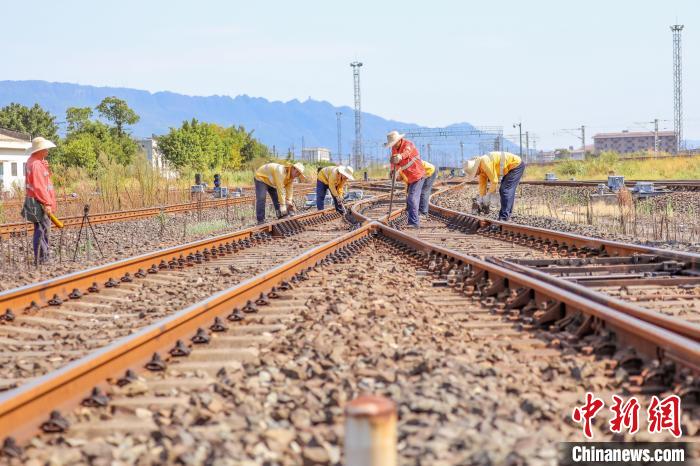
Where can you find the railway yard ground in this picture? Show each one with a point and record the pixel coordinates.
(202, 338)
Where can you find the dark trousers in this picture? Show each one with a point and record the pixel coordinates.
(40, 240)
(426, 191)
(321, 190)
(507, 190)
(413, 201)
(261, 192)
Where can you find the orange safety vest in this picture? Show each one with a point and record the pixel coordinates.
(409, 166)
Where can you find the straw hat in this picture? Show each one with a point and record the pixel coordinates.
(346, 171)
(471, 167)
(38, 144)
(392, 138)
(300, 168)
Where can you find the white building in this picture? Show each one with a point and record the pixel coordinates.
(13, 162)
(316, 154)
(154, 156)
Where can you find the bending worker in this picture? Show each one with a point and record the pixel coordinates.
(427, 189)
(277, 180)
(406, 163)
(488, 168)
(40, 200)
(333, 179)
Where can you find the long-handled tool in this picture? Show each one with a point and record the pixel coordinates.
(391, 195)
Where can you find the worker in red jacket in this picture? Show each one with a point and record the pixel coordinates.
(406, 164)
(40, 200)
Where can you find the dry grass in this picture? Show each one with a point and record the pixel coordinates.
(598, 168)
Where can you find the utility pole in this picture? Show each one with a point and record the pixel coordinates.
(677, 86)
(340, 147)
(461, 150)
(656, 137)
(527, 146)
(520, 131)
(583, 139)
(359, 159)
(301, 156)
(534, 146)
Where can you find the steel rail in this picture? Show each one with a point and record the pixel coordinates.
(681, 348)
(10, 229)
(38, 294)
(673, 185)
(679, 326)
(562, 239)
(23, 409)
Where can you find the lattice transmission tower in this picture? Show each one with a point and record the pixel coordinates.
(677, 86)
(358, 157)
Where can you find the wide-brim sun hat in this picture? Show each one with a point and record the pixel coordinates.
(392, 138)
(346, 171)
(470, 168)
(300, 168)
(39, 143)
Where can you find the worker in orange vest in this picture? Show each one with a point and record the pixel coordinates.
(406, 163)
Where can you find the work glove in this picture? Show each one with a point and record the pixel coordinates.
(282, 212)
(291, 207)
(395, 159)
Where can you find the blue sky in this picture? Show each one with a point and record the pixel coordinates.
(553, 64)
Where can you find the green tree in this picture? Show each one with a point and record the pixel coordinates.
(80, 150)
(78, 118)
(205, 145)
(91, 143)
(33, 120)
(194, 145)
(117, 112)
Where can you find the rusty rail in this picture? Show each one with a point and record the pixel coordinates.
(38, 294)
(23, 409)
(558, 238)
(10, 229)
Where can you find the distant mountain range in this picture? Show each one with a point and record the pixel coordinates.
(278, 124)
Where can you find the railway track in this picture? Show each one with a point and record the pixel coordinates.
(44, 326)
(213, 373)
(673, 185)
(660, 286)
(20, 228)
(196, 370)
(8, 230)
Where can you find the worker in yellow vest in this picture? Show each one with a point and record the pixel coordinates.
(500, 171)
(427, 189)
(333, 179)
(277, 180)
